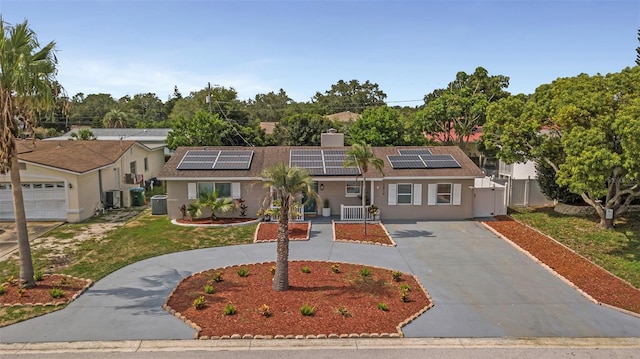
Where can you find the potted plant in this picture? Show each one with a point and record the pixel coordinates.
(374, 212)
(326, 210)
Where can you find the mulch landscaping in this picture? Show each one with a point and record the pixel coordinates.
(601, 285)
(268, 232)
(346, 302)
(354, 232)
(41, 293)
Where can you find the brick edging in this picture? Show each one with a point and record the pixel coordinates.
(88, 284)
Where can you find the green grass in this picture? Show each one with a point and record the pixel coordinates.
(11, 315)
(617, 250)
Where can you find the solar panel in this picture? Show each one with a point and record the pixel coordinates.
(322, 162)
(440, 161)
(415, 152)
(190, 165)
(216, 160)
(405, 161)
(341, 171)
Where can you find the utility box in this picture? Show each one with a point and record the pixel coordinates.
(159, 204)
(137, 196)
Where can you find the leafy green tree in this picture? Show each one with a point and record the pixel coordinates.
(360, 155)
(27, 78)
(384, 126)
(90, 109)
(287, 185)
(301, 130)
(204, 129)
(350, 96)
(146, 108)
(270, 107)
(216, 100)
(638, 50)
(549, 186)
(453, 113)
(585, 128)
(115, 119)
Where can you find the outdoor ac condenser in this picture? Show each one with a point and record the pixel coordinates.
(113, 199)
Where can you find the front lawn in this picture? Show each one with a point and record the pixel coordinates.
(617, 251)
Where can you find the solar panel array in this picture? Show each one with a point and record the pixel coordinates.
(322, 162)
(421, 158)
(216, 160)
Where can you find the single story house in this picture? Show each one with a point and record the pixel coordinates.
(152, 138)
(69, 180)
(415, 183)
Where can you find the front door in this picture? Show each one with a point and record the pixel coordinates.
(311, 207)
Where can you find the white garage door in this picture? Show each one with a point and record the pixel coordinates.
(42, 201)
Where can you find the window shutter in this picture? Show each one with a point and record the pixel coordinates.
(393, 194)
(457, 189)
(235, 190)
(432, 195)
(417, 194)
(192, 192)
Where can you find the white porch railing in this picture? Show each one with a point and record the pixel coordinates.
(299, 217)
(354, 213)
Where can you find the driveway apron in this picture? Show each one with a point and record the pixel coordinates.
(481, 287)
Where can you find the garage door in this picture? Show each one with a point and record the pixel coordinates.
(43, 201)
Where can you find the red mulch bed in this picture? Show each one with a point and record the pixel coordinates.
(322, 288)
(217, 221)
(40, 293)
(354, 232)
(268, 232)
(590, 278)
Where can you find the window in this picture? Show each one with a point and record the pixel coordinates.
(353, 188)
(223, 188)
(444, 193)
(404, 193)
(5, 186)
(37, 185)
(146, 163)
(132, 167)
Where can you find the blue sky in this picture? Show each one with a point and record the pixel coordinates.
(409, 48)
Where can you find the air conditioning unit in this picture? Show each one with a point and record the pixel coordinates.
(113, 199)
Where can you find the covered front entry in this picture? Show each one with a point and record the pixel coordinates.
(312, 206)
(43, 201)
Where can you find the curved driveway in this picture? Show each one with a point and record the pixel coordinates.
(481, 287)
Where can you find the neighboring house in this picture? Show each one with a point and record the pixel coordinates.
(152, 138)
(345, 116)
(521, 180)
(406, 188)
(68, 180)
(268, 127)
(470, 146)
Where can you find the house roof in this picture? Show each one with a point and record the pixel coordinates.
(344, 116)
(74, 156)
(264, 157)
(131, 134)
(268, 127)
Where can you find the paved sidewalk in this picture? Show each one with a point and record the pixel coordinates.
(481, 286)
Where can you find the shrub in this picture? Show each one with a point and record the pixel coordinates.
(243, 271)
(199, 302)
(396, 275)
(217, 276)
(335, 268)
(21, 292)
(229, 309)
(305, 269)
(342, 310)
(265, 311)
(383, 307)
(365, 272)
(405, 287)
(208, 289)
(404, 294)
(307, 310)
(272, 270)
(38, 276)
(56, 293)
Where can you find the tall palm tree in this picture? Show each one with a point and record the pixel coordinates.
(287, 184)
(115, 119)
(360, 155)
(27, 78)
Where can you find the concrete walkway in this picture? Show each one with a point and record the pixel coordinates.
(481, 286)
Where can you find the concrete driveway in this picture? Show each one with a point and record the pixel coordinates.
(481, 286)
(9, 239)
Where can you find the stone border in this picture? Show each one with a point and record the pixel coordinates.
(556, 274)
(88, 284)
(257, 220)
(198, 329)
(255, 234)
(333, 228)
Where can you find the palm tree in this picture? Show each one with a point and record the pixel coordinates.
(27, 77)
(216, 203)
(115, 119)
(360, 155)
(287, 184)
(84, 134)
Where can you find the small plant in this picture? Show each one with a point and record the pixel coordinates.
(217, 276)
(243, 271)
(56, 293)
(342, 310)
(335, 268)
(365, 272)
(396, 275)
(208, 289)
(229, 309)
(21, 292)
(199, 302)
(38, 276)
(3, 289)
(272, 270)
(383, 307)
(306, 269)
(307, 310)
(405, 287)
(12, 280)
(265, 311)
(404, 294)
